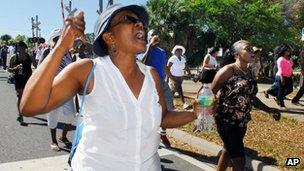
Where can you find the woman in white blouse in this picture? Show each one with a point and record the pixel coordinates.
(210, 61)
(124, 106)
(176, 65)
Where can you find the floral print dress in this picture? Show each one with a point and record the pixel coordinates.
(235, 101)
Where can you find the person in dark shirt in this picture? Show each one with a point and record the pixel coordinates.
(20, 66)
(4, 52)
(300, 93)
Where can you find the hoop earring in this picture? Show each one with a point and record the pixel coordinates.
(113, 49)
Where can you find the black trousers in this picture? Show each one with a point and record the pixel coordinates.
(4, 58)
(299, 93)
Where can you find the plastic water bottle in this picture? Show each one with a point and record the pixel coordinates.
(205, 100)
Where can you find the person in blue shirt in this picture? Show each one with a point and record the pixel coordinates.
(156, 57)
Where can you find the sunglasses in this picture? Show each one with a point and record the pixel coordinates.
(127, 19)
(249, 49)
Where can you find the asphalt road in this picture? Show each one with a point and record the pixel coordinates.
(22, 142)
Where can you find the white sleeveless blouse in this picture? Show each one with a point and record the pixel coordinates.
(120, 132)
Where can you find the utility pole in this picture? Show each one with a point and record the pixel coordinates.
(35, 26)
(69, 7)
(35, 30)
(100, 7)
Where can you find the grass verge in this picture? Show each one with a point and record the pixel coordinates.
(266, 140)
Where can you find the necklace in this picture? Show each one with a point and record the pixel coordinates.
(239, 68)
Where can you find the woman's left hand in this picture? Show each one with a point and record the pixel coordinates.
(74, 27)
(195, 107)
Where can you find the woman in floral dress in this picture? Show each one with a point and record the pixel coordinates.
(237, 93)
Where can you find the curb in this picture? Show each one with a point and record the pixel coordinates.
(214, 149)
(58, 163)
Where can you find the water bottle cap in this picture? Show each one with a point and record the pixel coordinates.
(207, 85)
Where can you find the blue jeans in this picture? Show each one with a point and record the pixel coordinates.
(168, 96)
(279, 90)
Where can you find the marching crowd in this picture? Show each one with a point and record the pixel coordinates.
(122, 86)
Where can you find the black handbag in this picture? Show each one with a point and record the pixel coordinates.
(207, 75)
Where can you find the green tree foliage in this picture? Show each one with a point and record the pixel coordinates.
(177, 25)
(6, 38)
(12, 42)
(20, 38)
(198, 24)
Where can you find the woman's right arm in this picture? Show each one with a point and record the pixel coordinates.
(168, 70)
(221, 78)
(43, 92)
(280, 64)
(206, 62)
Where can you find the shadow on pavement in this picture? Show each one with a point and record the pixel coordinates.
(213, 159)
(59, 126)
(254, 155)
(202, 158)
(40, 119)
(3, 79)
(292, 111)
(265, 80)
(167, 169)
(166, 161)
(65, 149)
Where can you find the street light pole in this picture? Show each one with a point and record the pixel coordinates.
(37, 28)
(33, 27)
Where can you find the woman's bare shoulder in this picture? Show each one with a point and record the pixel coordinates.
(227, 69)
(80, 69)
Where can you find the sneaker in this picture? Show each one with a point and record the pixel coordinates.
(20, 119)
(276, 116)
(23, 123)
(187, 107)
(165, 140)
(55, 147)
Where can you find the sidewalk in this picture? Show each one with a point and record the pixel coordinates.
(214, 149)
(170, 160)
(292, 111)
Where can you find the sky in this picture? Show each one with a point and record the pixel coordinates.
(15, 15)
